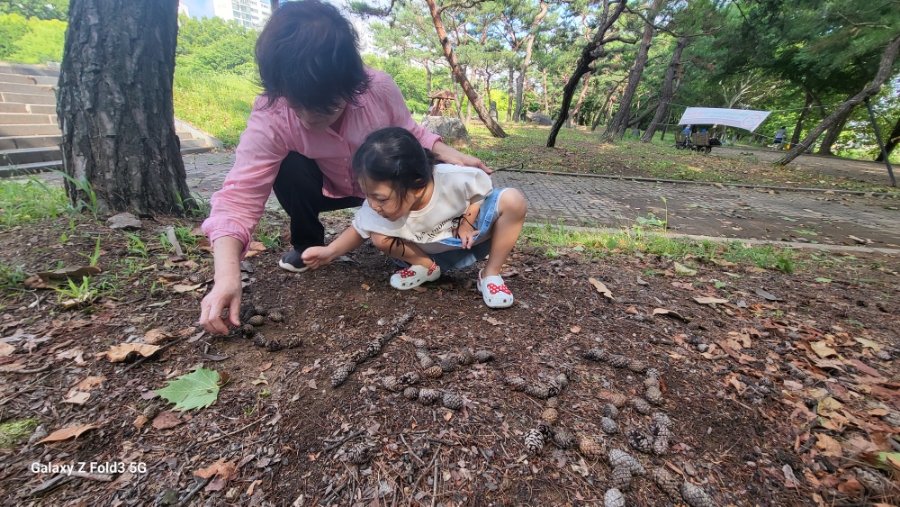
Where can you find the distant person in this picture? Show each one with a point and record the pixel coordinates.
(702, 131)
(318, 104)
(779, 138)
(686, 136)
(430, 217)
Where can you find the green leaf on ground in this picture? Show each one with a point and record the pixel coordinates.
(197, 389)
(823, 280)
(788, 219)
(806, 232)
(681, 269)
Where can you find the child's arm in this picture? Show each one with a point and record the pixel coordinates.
(466, 230)
(318, 256)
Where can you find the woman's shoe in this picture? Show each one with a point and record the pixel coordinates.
(413, 276)
(495, 292)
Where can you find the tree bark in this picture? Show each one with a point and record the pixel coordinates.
(834, 131)
(668, 90)
(795, 137)
(884, 71)
(589, 53)
(892, 141)
(115, 106)
(510, 93)
(546, 108)
(523, 71)
(584, 90)
(617, 126)
(637, 119)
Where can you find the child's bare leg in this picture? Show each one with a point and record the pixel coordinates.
(506, 229)
(409, 252)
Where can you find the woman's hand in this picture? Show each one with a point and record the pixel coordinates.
(226, 293)
(317, 256)
(450, 156)
(466, 233)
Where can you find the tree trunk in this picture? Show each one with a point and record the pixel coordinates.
(884, 71)
(115, 106)
(523, 71)
(428, 76)
(795, 137)
(617, 126)
(892, 141)
(589, 53)
(668, 90)
(510, 93)
(600, 112)
(584, 90)
(831, 136)
(546, 108)
(636, 120)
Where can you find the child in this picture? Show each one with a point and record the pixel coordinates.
(779, 138)
(432, 217)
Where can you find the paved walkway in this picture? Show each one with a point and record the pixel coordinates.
(692, 209)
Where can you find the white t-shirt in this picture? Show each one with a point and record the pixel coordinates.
(455, 188)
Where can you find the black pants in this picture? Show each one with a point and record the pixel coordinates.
(298, 188)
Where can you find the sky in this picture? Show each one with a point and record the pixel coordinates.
(199, 8)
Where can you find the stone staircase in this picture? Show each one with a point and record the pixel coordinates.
(29, 132)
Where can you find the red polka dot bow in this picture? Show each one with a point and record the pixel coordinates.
(494, 288)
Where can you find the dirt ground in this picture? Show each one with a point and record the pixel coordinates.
(783, 395)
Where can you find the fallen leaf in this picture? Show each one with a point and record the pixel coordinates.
(140, 421)
(828, 406)
(265, 366)
(851, 487)
(632, 310)
(601, 287)
(366, 286)
(197, 389)
(67, 433)
(863, 367)
(767, 295)
(118, 353)
(822, 349)
(312, 384)
(681, 269)
(6, 349)
(869, 344)
(828, 446)
(71, 272)
(448, 416)
(575, 329)
(76, 397)
(166, 419)
(156, 336)
(89, 383)
(710, 300)
(226, 470)
(669, 313)
(181, 289)
(256, 246)
(492, 321)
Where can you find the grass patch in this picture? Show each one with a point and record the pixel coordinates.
(552, 237)
(14, 432)
(218, 104)
(29, 200)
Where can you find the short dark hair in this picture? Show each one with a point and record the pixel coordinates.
(394, 155)
(308, 54)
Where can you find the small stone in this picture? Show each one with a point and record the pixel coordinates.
(434, 372)
(428, 396)
(883, 355)
(411, 393)
(620, 478)
(641, 406)
(695, 496)
(613, 498)
(534, 441)
(609, 426)
(610, 411)
(483, 356)
(256, 320)
(452, 401)
(124, 221)
(550, 415)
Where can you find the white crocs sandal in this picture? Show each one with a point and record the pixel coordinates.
(495, 292)
(413, 276)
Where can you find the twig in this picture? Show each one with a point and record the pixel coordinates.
(53, 483)
(226, 435)
(441, 441)
(434, 490)
(36, 370)
(144, 358)
(93, 477)
(416, 485)
(200, 485)
(411, 453)
(341, 441)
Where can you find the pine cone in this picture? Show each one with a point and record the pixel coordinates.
(256, 320)
(651, 382)
(561, 381)
(466, 357)
(637, 366)
(550, 415)
(276, 316)
(426, 362)
(661, 420)
(652, 373)
(434, 372)
(617, 399)
(259, 340)
(617, 360)
(428, 396)
(391, 383)
(359, 356)
(639, 441)
(613, 498)
(534, 441)
(552, 402)
(411, 393)
(563, 439)
(654, 395)
(661, 446)
(247, 330)
(595, 355)
(409, 378)
(373, 348)
(609, 426)
(667, 483)
(419, 343)
(618, 457)
(545, 430)
(695, 496)
(359, 454)
(621, 478)
(483, 356)
(516, 383)
(422, 353)
(538, 390)
(341, 374)
(610, 410)
(660, 430)
(448, 364)
(452, 401)
(590, 447)
(641, 406)
(874, 482)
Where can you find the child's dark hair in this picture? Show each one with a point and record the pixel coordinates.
(395, 156)
(308, 54)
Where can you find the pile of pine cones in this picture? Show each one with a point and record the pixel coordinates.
(539, 390)
(255, 317)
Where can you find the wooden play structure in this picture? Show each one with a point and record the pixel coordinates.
(441, 103)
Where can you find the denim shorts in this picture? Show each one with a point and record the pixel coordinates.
(458, 257)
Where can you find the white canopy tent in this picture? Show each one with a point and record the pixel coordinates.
(741, 118)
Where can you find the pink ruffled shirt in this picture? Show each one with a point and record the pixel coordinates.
(275, 131)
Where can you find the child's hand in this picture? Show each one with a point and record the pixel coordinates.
(317, 256)
(466, 234)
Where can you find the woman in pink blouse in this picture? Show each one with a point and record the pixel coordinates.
(319, 103)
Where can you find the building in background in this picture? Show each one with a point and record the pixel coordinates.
(248, 13)
(183, 9)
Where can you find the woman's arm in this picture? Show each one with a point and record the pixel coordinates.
(226, 292)
(318, 256)
(451, 156)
